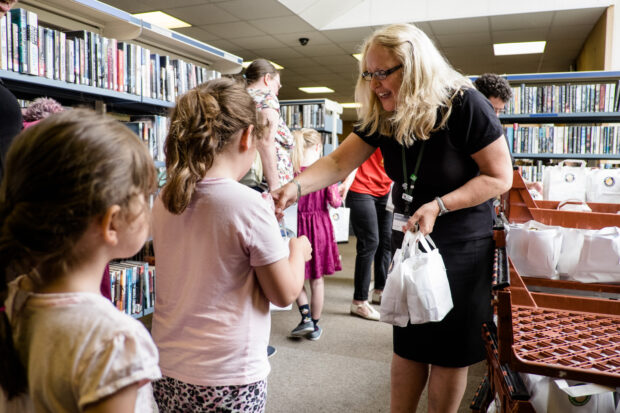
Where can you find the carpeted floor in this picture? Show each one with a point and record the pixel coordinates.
(348, 369)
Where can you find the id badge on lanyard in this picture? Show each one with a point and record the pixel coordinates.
(400, 220)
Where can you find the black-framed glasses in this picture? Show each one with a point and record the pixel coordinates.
(380, 74)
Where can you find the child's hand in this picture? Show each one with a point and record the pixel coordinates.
(303, 245)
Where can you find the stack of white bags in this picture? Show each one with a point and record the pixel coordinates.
(546, 251)
(564, 182)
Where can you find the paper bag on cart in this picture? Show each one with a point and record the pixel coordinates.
(534, 248)
(574, 397)
(603, 186)
(599, 257)
(563, 182)
(393, 308)
(428, 290)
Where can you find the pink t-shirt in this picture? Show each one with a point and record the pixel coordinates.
(211, 322)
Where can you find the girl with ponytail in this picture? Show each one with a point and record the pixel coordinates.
(220, 257)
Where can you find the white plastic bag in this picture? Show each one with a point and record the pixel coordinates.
(340, 222)
(599, 257)
(574, 205)
(534, 248)
(603, 186)
(428, 290)
(563, 182)
(393, 308)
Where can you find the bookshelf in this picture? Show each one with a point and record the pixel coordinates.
(320, 114)
(557, 116)
(87, 53)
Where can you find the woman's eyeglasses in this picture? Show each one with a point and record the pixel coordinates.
(380, 74)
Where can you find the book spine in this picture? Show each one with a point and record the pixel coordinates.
(32, 42)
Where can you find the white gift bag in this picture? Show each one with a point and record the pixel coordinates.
(340, 222)
(572, 242)
(428, 290)
(575, 397)
(603, 186)
(574, 205)
(534, 248)
(563, 182)
(599, 259)
(393, 308)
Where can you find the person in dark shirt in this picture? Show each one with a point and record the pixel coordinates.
(497, 89)
(441, 140)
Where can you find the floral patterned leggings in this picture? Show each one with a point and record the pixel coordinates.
(176, 396)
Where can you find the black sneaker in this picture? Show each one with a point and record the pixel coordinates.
(271, 350)
(302, 329)
(316, 334)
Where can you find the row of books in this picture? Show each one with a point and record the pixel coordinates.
(87, 58)
(558, 139)
(565, 98)
(303, 116)
(152, 130)
(133, 287)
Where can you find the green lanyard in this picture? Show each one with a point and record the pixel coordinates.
(408, 187)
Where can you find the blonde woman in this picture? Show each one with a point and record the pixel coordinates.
(443, 147)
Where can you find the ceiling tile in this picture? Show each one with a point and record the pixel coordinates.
(320, 50)
(279, 53)
(357, 34)
(458, 40)
(337, 60)
(130, 7)
(461, 26)
(201, 14)
(253, 9)
(581, 16)
(574, 31)
(233, 30)
(293, 63)
(521, 21)
(257, 42)
(277, 25)
(522, 35)
(314, 37)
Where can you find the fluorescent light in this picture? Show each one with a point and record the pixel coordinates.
(351, 105)
(501, 49)
(358, 56)
(249, 62)
(161, 19)
(317, 89)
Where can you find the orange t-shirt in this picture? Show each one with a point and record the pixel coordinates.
(371, 177)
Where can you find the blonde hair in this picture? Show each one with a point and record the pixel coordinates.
(304, 138)
(427, 90)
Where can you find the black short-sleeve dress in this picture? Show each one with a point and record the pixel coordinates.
(463, 237)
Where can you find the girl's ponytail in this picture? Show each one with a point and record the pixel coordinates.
(203, 122)
(297, 154)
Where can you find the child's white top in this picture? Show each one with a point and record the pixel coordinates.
(77, 348)
(211, 322)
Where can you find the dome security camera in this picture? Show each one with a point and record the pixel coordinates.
(303, 41)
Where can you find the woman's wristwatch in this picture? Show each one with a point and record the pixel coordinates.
(442, 208)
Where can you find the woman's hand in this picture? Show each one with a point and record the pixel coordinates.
(284, 197)
(424, 217)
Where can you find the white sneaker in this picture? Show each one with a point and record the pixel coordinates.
(365, 310)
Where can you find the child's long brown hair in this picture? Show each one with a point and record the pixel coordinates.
(61, 174)
(203, 123)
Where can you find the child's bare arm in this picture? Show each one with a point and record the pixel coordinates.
(123, 401)
(282, 280)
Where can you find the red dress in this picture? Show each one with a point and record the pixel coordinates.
(313, 222)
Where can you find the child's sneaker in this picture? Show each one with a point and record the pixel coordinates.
(303, 328)
(316, 334)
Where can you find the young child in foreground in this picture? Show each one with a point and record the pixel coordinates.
(313, 221)
(73, 198)
(220, 258)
